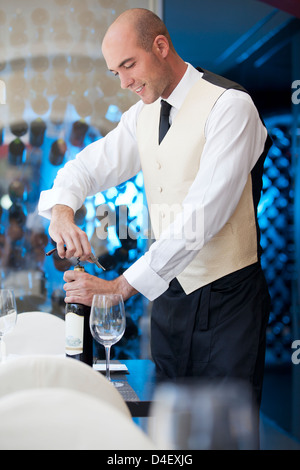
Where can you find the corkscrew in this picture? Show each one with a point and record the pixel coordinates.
(92, 258)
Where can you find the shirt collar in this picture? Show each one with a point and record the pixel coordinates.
(178, 95)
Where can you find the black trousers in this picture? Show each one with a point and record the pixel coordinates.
(216, 332)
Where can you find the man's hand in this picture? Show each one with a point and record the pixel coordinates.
(66, 233)
(80, 287)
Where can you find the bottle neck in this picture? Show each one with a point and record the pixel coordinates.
(79, 268)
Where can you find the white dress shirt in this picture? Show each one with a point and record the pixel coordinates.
(235, 138)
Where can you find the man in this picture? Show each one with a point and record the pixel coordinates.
(211, 302)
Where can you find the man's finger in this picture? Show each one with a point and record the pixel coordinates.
(61, 250)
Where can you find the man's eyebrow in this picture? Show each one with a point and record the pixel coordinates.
(124, 62)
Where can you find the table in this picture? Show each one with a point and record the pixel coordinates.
(139, 384)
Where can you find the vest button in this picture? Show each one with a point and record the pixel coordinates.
(159, 189)
(158, 165)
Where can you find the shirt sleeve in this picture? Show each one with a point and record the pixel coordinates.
(235, 139)
(105, 163)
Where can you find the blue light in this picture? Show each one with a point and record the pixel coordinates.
(99, 199)
(113, 239)
(274, 152)
(90, 215)
(267, 199)
(266, 182)
(139, 180)
(137, 208)
(258, 44)
(127, 196)
(111, 193)
(245, 37)
(113, 113)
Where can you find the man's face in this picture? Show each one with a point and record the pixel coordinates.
(142, 72)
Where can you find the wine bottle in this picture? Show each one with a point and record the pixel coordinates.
(37, 132)
(79, 130)
(16, 190)
(57, 153)
(17, 214)
(16, 152)
(19, 128)
(79, 340)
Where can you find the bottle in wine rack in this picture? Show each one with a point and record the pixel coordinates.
(57, 153)
(37, 132)
(16, 152)
(19, 128)
(16, 190)
(79, 130)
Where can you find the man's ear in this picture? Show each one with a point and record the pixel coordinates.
(161, 46)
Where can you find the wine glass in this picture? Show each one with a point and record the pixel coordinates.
(198, 415)
(8, 317)
(107, 323)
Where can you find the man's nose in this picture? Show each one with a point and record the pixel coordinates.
(126, 81)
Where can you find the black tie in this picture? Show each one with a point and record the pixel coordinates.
(164, 123)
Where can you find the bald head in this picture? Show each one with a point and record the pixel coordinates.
(137, 48)
(145, 24)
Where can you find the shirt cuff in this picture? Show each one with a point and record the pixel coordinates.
(51, 197)
(145, 280)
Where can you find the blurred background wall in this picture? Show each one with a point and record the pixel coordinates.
(59, 98)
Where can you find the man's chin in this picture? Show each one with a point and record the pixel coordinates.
(147, 100)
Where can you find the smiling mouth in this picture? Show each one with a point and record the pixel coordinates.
(138, 90)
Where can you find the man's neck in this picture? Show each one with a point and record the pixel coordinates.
(179, 68)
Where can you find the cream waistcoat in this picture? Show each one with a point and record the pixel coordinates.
(169, 170)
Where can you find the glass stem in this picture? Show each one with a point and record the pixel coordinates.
(107, 355)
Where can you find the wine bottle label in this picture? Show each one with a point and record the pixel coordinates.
(74, 334)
